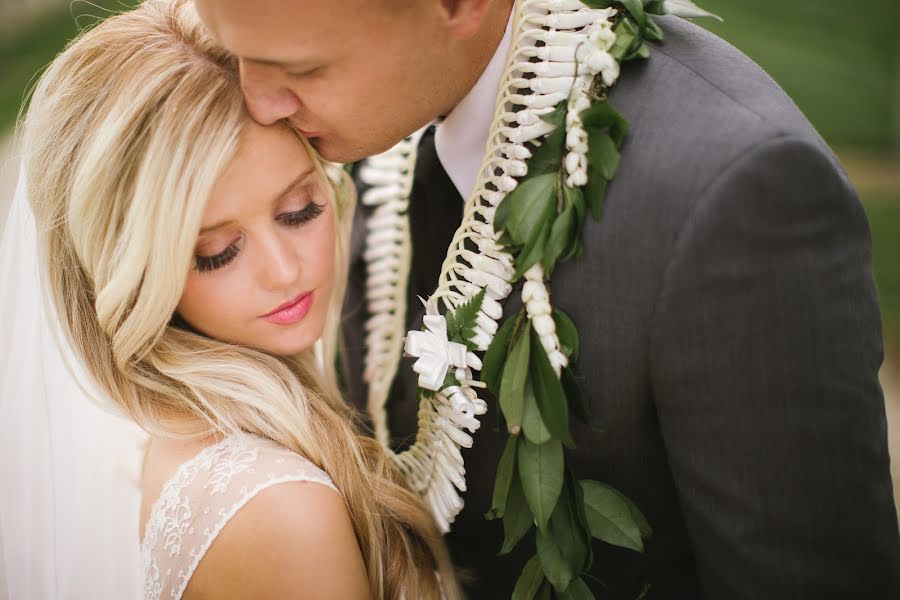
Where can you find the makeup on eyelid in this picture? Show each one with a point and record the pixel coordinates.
(206, 263)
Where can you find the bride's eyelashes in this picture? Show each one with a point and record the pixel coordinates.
(299, 217)
(291, 219)
(217, 261)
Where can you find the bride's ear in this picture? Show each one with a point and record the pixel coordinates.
(464, 17)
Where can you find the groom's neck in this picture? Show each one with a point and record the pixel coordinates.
(479, 50)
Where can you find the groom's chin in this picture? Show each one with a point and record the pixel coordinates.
(332, 152)
(343, 152)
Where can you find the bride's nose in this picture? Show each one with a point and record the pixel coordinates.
(268, 99)
(280, 263)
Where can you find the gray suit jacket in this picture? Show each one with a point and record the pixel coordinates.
(731, 342)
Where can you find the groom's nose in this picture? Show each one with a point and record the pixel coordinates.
(268, 99)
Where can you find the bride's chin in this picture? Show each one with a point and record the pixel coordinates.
(288, 344)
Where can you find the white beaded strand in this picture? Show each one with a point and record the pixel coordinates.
(574, 47)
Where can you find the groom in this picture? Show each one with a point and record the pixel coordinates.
(730, 332)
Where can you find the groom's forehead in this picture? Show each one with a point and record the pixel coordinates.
(291, 14)
(285, 27)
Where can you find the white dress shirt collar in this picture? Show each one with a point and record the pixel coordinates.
(461, 138)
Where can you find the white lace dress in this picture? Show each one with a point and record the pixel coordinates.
(200, 498)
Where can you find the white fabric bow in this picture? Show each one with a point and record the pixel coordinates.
(435, 352)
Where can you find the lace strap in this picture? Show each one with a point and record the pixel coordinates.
(202, 496)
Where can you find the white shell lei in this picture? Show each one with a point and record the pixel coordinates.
(558, 46)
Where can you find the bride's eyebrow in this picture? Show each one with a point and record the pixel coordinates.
(290, 187)
(293, 184)
(283, 64)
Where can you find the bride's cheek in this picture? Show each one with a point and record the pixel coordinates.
(326, 250)
(212, 300)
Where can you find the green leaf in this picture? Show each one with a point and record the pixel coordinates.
(575, 199)
(652, 31)
(577, 494)
(563, 548)
(546, 592)
(643, 51)
(599, 3)
(461, 322)
(450, 380)
(506, 468)
(527, 207)
(529, 581)
(558, 115)
(626, 35)
(595, 190)
(610, 516)
(576, 398)
(567, 334)
(551, 399)
(531, 254)
(602, 151)
(575, 248)
(603, 117)
(578, 590)
(492, 364)
(639, 518)
(547, 158)
(603, 162)
(685, 9)
(517, 518)
(541, 473)
(512, 384)
(636, 8)
(561, 237)
(532, 425)
(654, 7)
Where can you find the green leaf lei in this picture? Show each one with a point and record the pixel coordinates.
(542, 221)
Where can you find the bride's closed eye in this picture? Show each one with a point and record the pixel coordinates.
(216, 261)
(304, 215)
(294, 218)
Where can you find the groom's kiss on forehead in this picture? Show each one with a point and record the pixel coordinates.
(356, 76)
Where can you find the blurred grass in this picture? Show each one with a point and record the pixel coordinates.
(883, 210)
(25, 53)
(839, 61)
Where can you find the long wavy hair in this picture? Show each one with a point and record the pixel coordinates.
(127, 132)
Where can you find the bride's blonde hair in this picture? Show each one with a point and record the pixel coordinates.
(126, 134)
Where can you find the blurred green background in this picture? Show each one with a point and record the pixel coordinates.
(840, 62)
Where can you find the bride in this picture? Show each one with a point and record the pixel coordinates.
(197, 263)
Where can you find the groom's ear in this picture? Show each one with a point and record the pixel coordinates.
(464, 17)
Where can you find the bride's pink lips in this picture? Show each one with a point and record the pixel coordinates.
(291, 311)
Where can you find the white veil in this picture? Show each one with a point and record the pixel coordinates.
(69, 496)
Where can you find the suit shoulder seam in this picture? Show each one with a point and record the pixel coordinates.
(660, 48)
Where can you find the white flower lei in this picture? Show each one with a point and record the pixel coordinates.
(558, 47)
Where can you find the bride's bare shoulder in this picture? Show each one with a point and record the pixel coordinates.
(291, 540)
